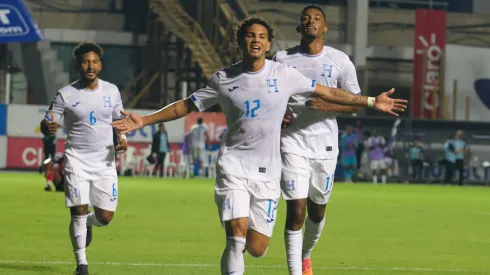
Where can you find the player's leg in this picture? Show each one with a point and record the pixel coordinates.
(321, 186)
(263, 212)
(374, 168)
(77, 190)
(296, 171)
(233, 202)
(104, 194)
(460, 167)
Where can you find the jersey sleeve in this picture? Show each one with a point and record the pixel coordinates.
(208, 96)
(118, 107)
(348, 78)
(56, 108)
(298, 83)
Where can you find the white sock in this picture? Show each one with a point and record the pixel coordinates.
(312, 234)
(92, 220)
(78, 235)
(294, 241)
(383, 178)
(232, 259)
(375, 179)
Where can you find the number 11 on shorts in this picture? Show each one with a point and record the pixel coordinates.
(328, 185)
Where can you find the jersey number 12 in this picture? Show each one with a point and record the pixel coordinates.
(251, 112)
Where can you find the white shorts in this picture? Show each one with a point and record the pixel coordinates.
(388, 162)
(246, 198)
(100, 190)
(378, 164)
(304, 177)
(198, 153)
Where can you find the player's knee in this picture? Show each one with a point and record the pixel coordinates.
(105, 217)
(296, 213)
(257, 250)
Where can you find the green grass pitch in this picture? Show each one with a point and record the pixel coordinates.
(171, 227)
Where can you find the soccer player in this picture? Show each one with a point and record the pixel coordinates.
(375, 145)
(309, 146)
(253, 95)
(199, 138)
(88, 106)
(349, 160)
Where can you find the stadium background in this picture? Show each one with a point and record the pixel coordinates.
(160, 51)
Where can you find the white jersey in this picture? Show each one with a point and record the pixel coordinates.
(254, 105)
(314, 134)
(198, 136)
(87, 118)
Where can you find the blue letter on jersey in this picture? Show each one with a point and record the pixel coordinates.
(107, 101)
(327, 70)
(272, 85)
(93, 120)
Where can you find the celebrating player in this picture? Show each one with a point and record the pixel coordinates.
(253, 95)
(309, 146)
(88, 106)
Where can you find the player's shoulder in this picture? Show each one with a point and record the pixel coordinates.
(229, 72)
(71, 88)
(106, 85)
(284, 55)
(335, 54)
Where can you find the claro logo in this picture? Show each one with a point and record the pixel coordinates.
(11, 21)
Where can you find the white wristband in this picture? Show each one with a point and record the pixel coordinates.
(123, 137)
(371, 101)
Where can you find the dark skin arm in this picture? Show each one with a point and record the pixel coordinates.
(325, 106)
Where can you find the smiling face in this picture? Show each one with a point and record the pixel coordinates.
(312, 24)
(256, 42)
(89, 66)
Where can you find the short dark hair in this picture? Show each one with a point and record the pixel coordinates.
(86, 47)
(241, 28)
(312, 6)
(199, 120)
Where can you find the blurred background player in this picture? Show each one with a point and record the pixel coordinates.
(449, 160)
(461, 150)
(415, 153)
(199, 138)
(349, 147)
(249, 168)
(186, 160)
(360, 143)
(88, 106)
(375, 145)
(160, 147)
(54, 172)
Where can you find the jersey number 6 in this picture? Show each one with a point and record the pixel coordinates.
(93, 120)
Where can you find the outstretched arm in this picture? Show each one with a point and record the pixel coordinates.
(171, 112)
(325, 106)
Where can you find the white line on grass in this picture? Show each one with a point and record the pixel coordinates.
(359, 268)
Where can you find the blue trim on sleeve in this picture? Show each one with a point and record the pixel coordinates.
(47, 117)
(193, 98)
(313, 82)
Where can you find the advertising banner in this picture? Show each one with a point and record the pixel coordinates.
(16, 24)
(3, 120)
(428, 70)
(24, 122)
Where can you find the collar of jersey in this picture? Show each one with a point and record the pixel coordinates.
(259, 71)
(314, 55)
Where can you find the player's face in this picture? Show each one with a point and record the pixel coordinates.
(90, 66)
(256, 42)
(312, 24)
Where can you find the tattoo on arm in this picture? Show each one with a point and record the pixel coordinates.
(349, 98)
(175, 110)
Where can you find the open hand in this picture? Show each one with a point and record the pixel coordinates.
(129, 123)
(389, 105)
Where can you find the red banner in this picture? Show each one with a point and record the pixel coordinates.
(216, 123)
(28, 153)
(429, 47)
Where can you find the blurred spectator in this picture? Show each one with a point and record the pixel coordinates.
(450, 160)
(360, 143)
(160, 147)
(375, 145)
(349, 145)
(416, 159)
(461, 150)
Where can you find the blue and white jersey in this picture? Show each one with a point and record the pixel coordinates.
(315, 134)
(254, 104)
(198, 135)
(87, 116)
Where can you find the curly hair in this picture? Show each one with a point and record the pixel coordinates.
(241, 29)
(316, 7)
(86, 47)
